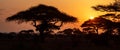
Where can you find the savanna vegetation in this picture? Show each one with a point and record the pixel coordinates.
(46, 19)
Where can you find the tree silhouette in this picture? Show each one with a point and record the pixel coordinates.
(112, 10)
(27, 31)
(44, 18)
(113, 7)
(68, 31)
(97, 23)
(76, 31)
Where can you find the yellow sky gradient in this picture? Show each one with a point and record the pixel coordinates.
(78, 8)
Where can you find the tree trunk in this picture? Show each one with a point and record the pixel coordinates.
(42, 36)
(97, 30)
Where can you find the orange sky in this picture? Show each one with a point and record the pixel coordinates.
(78, 8)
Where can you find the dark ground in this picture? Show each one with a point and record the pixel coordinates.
(59, 42)
(55, 44)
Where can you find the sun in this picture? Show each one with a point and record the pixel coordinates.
(91, 17)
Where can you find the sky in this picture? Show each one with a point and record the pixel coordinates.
(80, 9)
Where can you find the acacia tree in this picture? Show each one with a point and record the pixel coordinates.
(112, 13)
(44, 18)
(96, 24)
(113, 7)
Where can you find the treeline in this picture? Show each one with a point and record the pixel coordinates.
(66, 39)
(71, 34)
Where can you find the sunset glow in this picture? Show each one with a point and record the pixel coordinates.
(59, 24)
(77, 8)
(91, 17)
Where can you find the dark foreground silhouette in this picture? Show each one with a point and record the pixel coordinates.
(48, 18)
(81, 41)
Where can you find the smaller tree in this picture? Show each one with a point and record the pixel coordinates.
(77, 31)
(113, 15)
(68, 31)
(96, 24)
